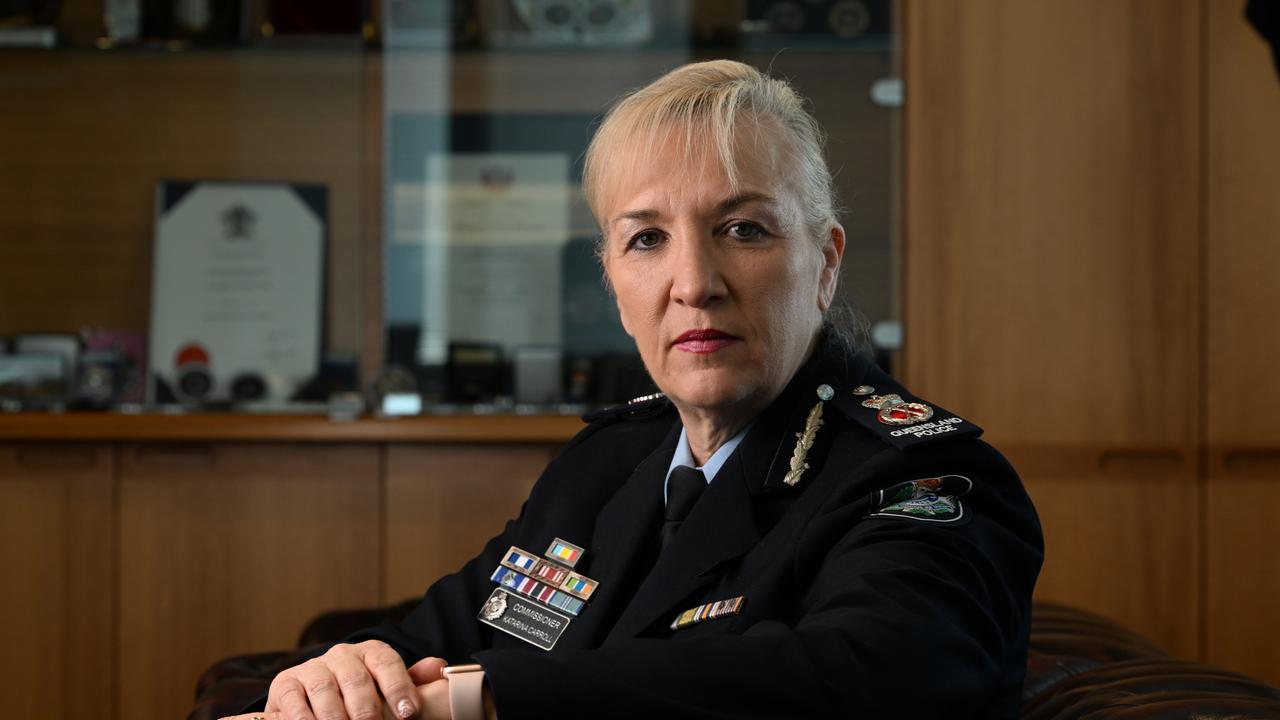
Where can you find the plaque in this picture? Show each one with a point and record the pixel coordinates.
(237, 289)
(494, 228)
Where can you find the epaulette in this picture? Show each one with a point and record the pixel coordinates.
(645, 406)
(900, 419)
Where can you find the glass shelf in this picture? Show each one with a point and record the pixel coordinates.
(388, 127)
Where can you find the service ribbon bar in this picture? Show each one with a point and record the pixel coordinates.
(578, 585)
(564, 552)
(520, 560)
(550, 572)
(709, 611)
(543, 593)
(526, 562)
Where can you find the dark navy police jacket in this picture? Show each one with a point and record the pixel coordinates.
(851, 610)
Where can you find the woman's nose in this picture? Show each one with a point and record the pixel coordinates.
(697, 278)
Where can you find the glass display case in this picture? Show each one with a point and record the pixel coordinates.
(455, 271)
(492, 292)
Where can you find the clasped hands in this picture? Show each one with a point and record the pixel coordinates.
(365, 681)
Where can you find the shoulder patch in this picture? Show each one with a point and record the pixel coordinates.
(935, 499)
(901, 420)
(645, 406)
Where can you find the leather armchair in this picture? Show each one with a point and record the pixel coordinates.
(1080, 666)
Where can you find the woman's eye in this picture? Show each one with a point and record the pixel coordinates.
(644, 241)
(744, 231)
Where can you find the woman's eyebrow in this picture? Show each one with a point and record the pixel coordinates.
(736, 201)
(744, 198)
(641, 215)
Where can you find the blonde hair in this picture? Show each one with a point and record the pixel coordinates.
(700, 106)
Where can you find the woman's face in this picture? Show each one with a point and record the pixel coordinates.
(722, 291)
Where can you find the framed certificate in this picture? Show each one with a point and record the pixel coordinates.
(237, 301)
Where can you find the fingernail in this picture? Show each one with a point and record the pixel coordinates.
(405, 709)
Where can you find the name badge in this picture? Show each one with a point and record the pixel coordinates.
(532, 622)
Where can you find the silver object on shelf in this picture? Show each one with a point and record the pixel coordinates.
(888, 92)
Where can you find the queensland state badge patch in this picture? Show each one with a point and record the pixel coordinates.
(935, 499)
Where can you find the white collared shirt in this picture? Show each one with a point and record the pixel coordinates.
(684, 456)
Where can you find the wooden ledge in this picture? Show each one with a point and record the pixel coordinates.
(287, 428)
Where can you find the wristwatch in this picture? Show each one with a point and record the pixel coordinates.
(466, 691)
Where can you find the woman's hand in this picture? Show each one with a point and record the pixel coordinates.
(431, 694)
(349, 682)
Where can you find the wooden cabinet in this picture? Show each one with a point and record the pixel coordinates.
(1051, 261)
(231, 549)
(1122, 540)
(1243, 573)
(58, 593)
(139, 550)
(1242, 341)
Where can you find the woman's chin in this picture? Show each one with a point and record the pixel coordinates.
(712, 389)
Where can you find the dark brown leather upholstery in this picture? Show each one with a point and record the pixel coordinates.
(1080, 666)
(230, 684)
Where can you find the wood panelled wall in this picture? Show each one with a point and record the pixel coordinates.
(1091, 239)
(57, 599)
(1242, 341)
(131, 568)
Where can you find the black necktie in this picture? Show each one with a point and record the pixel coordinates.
(684, 487)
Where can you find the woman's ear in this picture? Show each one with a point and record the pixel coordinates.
(832, 253)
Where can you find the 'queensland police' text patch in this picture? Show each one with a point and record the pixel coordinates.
(935, 499)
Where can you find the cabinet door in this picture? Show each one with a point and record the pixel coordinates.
(445, 502)
(56, 599)
(1121, 537)
(231, 549)
(1051, 264)
(1243, 252)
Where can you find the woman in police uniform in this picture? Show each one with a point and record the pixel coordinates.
(786, 532)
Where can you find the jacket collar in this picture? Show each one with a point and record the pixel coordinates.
(768, 450)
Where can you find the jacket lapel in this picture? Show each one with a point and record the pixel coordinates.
(720, 527)
(626, 528)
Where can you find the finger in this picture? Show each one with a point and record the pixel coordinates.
(255, 716)
(359, 694)
(322, 691)
(427, 670)
(289, 697)
(392, 678)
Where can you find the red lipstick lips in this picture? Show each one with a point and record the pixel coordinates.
(702, 341)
